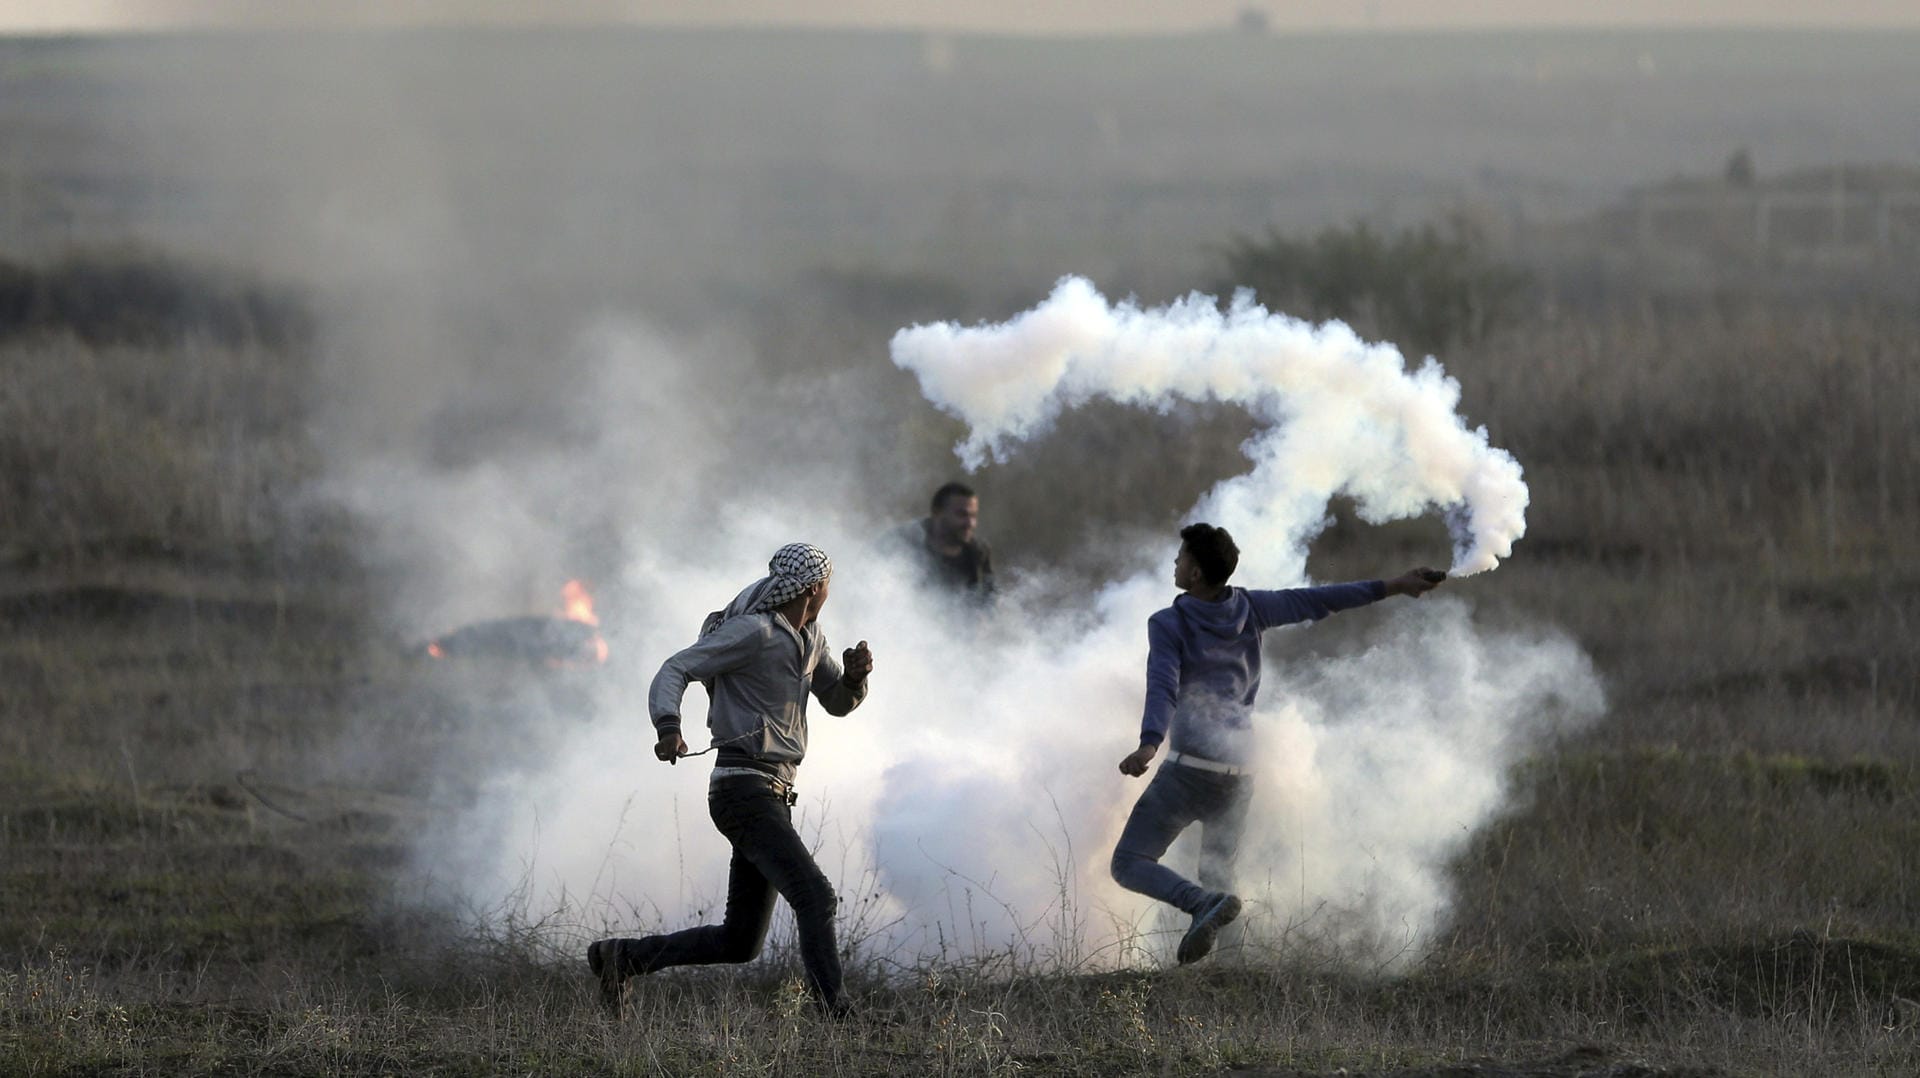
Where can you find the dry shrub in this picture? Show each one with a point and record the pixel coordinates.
(1767, 433)
(1426, 287)
(197, 447)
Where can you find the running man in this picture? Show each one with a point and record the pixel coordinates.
(760, 658)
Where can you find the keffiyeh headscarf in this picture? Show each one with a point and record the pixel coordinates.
(793, 569)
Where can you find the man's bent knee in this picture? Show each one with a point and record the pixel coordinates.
(815, 898)
(741, 948)
(1124, 863)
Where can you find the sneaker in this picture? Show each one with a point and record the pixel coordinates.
(1215, 915)
(603, 958)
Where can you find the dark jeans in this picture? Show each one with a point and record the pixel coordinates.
(1177, 797)
(768, 859)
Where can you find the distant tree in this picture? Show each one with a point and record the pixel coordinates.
(1424, 288)
(1252, 20)
(1739, 171)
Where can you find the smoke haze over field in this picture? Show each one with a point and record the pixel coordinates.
(555, 278)
(970, 806)
(661, 169)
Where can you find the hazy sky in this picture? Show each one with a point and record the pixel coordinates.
(1018, 16)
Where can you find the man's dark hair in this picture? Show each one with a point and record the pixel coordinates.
(951, 490)
(1212, 550)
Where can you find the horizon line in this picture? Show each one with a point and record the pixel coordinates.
(295, 25)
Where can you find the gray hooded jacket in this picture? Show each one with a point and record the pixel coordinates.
(759, 669)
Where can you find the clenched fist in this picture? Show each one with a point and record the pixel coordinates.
(856, 663)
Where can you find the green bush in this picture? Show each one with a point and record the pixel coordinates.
(1424, 288)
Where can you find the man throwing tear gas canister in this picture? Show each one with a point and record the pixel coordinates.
(759, 657)
(1203, 671)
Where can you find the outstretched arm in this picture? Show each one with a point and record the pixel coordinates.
(1289, 605)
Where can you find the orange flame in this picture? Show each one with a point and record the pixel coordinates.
(576, 604)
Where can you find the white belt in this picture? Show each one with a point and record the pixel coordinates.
(1185, 759)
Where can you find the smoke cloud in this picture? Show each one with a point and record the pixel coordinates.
(968, 810)
(1345, 416)
(508, 244)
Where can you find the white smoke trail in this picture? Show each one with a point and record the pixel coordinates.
(1344, 416)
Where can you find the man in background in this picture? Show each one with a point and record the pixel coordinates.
(947, 546)
(1203, 672)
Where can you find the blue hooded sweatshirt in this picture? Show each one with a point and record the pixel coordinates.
(1203, 662)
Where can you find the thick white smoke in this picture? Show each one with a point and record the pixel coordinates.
(970, 807)
(1343, 416)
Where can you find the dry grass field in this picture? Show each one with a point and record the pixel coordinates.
(216, 752)
(1722, 877)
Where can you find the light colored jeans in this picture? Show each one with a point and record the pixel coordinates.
(1177, 797)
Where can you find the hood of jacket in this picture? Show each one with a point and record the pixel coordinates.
(1226, 619)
